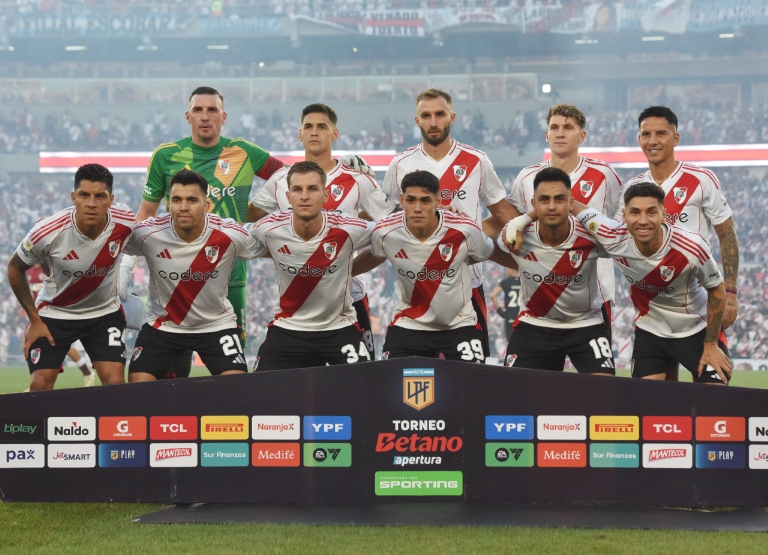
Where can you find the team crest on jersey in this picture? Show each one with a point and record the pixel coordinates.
(679, 194)
(336, 192)
(459, 172)
(445, 250)
(667, 272)
(330, 250)
(511, 360)
(34, 355)
(224, 166)
(212, 253)
(114, 248)
(586, 188)
(576, 258)
(136, 353)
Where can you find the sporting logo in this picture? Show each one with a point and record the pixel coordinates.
(122, 428)
(713, 455)
(418, 387)
(224, 454)
(122, 455)
(72, 428)
(509, 427)
(667, 428)
(212, 253)
(75, 455)
(338, 428)
(626, 428)
(173, 427)
(224, 427)
(425, 483)
(22, 430)
(34, 355)
(445, 250)
(720, 428)
(549, 427)
(679, 194)
(561, 455)
(276, 454)
(329, 249)
(667, 272)
(518, 455)
(328, 454)
(170, 455)
(758, 429)
(275, 427)
(459, 172)
(575, 257)
(337, 192)
(667, 455)
(18, 455)
(586, 188)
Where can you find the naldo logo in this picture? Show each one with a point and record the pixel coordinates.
(80, 428)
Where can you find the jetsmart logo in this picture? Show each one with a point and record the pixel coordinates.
(165, 454)
(659, 454)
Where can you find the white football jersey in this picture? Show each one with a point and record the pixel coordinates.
(694, 199)
(315, 276)
(189, 281)
(667, 289)
(433, 278)
(593, 183)
(559, 285)
(80, 273)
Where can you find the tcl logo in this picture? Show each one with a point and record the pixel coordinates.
(720, 428)
(173, 427)
(123, 428)
(667, 428)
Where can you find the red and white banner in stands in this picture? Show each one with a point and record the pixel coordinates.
(137, 162)
(395, 23)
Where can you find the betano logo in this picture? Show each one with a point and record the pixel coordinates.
(224, 427)
(612, 428)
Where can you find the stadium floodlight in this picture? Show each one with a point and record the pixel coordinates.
(75, 48)
(585, 41)
(261, 64)
(652, 39)
(546, 88)
(218, 47)
(727, 35)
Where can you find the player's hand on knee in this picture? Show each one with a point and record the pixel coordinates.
(34, 332)
(714, 356)
(357, 163)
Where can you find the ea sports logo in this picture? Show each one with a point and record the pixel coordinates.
(320, 455)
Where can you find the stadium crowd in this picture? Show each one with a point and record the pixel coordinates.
(747, 195)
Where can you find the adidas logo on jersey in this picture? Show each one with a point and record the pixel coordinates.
(163, 254)
(623, 261)
(608, 364)
(284, 250)
(72, 256)
(239, 360)
(401, 254)
(531, 257)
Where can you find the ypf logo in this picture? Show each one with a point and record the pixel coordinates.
(418, 387)
(328, 427)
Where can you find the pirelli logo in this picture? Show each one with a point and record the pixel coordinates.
(224, 427)
(614, 428)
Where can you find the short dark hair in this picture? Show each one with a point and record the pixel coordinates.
(422, 179)
(644, 189)
(94, 172)
(188, 177)
(568, 111)
(658, 112)
(552, 174)
(320, 109)
(306, 166)
(206, 90)
(434, 93)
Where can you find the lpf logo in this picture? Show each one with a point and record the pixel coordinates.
(418, 387)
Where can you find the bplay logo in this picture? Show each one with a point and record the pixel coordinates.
(75, 455)
(71, 428)
(758, 457)
(667, 428)
(22, 430)
(22, 455)
(173, 427)
(614, 455)
(275, 454)
(332, 428)
(509, 427)
(170, 455)
(224, 454)
(561, 427)
(275, 427)
(122, 455)
(567, 455)
(519, 455)
(667, 455)
(424, 483)
(758, 429)
(613, 428)
(123, 428)
(224, 427)
(714, 455)
(328, 454)
(720, 428)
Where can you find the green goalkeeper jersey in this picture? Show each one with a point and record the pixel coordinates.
(229, 168)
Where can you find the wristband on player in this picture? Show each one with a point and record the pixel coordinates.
(515, 225)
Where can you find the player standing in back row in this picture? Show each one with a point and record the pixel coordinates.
(466, 177)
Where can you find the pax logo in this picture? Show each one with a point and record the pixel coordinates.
(76, 455)
(123, 428)
(169, 455)
(22, 455)
(275, 454)
(509, 427)
(667, 428)
(275, 427)
(224, 427)
(720, 428)
(667, 455)
(173, 427)
(80, 428)
(328, 427)
(758, 429)
(625, 428)
(566, 455)
(561, 427)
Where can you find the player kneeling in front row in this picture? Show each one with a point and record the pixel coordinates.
(314, 323)
(190, 254)
(675, 285)
(430, 251)
(78, 248)
(560, 298)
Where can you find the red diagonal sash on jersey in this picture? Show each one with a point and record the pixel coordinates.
(347, 183)
(186, 291)
(456, 175)
(546, 294)
(424, 290)
(593, 179)
(84, 286)
(640, 296)
(301, 287)
(685, 187)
